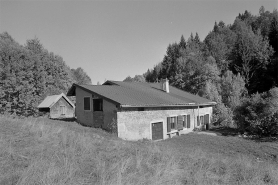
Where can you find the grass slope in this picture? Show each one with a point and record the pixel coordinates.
(42, 151)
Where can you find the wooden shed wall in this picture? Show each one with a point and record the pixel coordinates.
(56, 110)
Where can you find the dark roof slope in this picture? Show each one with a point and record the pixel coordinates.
(139, 94)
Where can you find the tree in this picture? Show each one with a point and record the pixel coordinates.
(182, 43)
(127, 79)
(137, 78)
(169, 61)
(273, 33)
(81, 77)
(232, 89)
(34, 46)
(28, 74)
(251, 52)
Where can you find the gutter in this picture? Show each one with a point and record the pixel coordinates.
(154, 106)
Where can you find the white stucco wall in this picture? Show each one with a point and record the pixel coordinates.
(135, 125)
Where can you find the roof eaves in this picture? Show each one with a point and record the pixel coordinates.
(172, 105)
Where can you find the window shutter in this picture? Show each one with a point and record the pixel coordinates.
(198, 121)
(206, 118)
(176, 125)
(207, 121)
(188, 121)
(168, 124)
(180, 123)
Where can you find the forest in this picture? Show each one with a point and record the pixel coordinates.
(29, 73)
(236, 65)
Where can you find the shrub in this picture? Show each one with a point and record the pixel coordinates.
(258, 114)
(222, 115)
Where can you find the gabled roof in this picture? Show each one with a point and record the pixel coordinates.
(49, 101)
(141, 94)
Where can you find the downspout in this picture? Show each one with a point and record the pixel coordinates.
(194, 118)
(198, 114)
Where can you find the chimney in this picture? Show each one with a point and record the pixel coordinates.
(164, 85)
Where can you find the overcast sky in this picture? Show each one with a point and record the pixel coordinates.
(113, 39)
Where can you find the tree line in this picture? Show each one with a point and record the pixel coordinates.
(236, 65)
(29, 73)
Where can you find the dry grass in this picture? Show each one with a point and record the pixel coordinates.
(41, 151)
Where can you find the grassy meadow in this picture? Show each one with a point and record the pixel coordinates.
(43, 151)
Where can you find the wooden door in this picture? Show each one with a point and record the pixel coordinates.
(157, 131)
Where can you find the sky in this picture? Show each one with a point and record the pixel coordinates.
(111, 40)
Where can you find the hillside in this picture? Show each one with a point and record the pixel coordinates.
(42, 151)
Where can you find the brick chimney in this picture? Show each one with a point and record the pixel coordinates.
(164, 85)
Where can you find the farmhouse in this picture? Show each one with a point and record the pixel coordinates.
(58, 106)
(136, 110)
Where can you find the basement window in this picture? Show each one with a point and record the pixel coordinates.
(98, 104)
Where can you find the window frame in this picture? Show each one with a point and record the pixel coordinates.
(200, 123)
(63, 109)
(184, 116)
(95, 99)
(173, 123)
(89, 103)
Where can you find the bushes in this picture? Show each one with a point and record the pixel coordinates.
(258, 114)
(222, 115)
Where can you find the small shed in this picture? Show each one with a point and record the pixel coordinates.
(58, 106)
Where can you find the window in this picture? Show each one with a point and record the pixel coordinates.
(200, 120)
(63, 110)
(87, 103)
(184, 120)
(98, 104)
(172, 123)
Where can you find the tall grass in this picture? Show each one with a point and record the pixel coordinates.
(41, 151)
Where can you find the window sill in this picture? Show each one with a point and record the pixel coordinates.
(173, 131)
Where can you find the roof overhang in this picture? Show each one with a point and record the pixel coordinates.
(72, 92)
(209, 104)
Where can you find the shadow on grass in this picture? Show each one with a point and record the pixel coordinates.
(264, 139)
(225, 131)
(65, 119)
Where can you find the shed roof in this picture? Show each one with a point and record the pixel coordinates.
(141, 94)
(49, 101)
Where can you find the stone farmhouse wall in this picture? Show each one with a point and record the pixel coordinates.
(135, 125)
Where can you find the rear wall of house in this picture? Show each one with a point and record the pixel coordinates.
(105, 119)
(135, 125)
(55, 110)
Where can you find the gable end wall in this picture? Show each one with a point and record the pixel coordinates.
(55, 110)
(96, 119)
